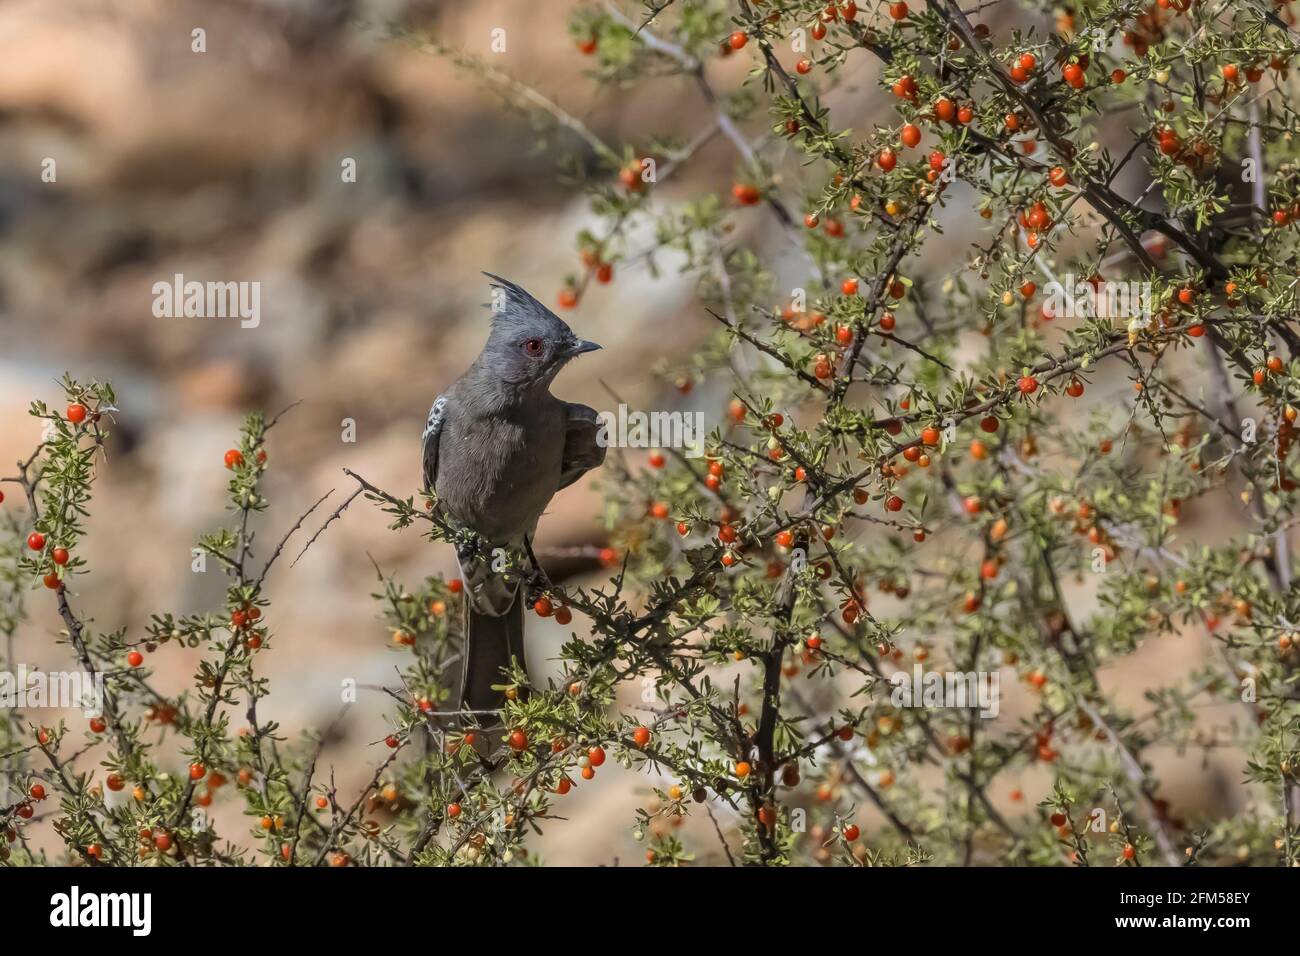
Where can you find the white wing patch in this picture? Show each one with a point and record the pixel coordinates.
(435, 417)
(432, 436)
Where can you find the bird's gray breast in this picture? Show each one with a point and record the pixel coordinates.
(498, 472)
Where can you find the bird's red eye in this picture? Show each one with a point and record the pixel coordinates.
(533, 346)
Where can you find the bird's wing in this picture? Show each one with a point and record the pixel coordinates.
(582, 451)
(429, 442)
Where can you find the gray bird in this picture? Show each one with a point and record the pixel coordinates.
(497, 446)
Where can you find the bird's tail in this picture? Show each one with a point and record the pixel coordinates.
(491, 642)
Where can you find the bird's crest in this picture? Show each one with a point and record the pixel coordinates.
(511, 303)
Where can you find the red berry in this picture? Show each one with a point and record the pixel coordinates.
(52, 581)
(543, 607)
(944, 110)
(59, 556)
(1027, 62)
(905, 88)
(1059, 819)
(737, 40)
(518, 740)
(453, 810)
(37, 792)
(1027, 385)
(391, 741)
(894, 503)
(36, 541)
(234, 458)
(851, 832)
(804, 66)
(911, 135)
(587, 46)
(76, 413)
(746, 194)
(135, 658)
(898, 10)
(163, 842)
(887, 159)
(198, 771)
(596, 755)
(641, 736)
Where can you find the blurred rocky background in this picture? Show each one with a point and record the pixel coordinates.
(127, 158)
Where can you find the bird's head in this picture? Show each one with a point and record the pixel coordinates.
(528, 344)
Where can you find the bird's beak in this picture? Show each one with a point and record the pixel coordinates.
(582, 345)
